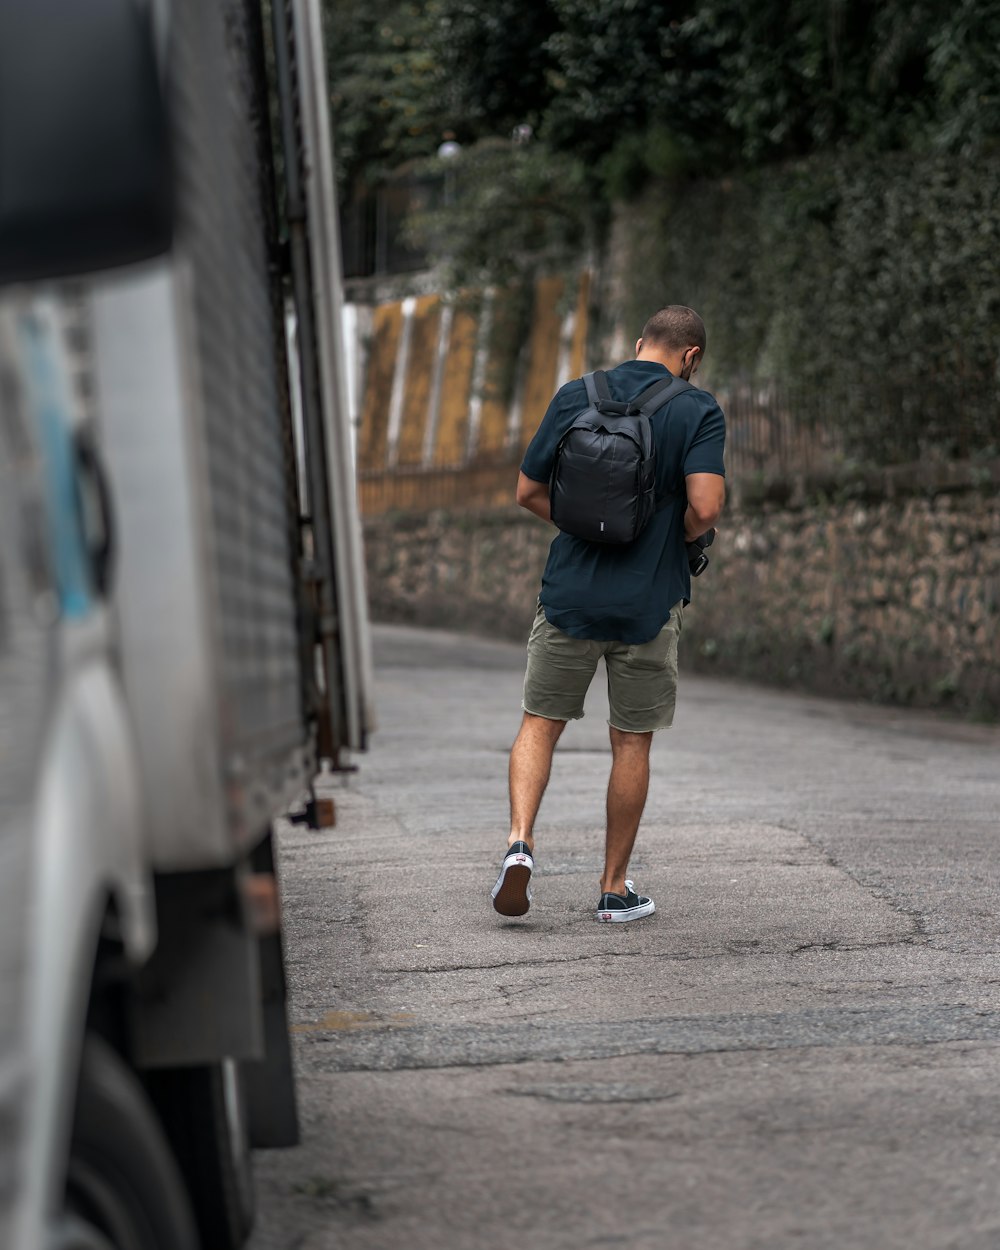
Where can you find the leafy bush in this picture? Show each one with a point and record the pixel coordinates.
(507, 209)
(872, 283)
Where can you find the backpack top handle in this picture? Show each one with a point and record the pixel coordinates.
(597, 386)
(599, 395)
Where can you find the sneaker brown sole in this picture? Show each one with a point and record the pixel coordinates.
(511, 896)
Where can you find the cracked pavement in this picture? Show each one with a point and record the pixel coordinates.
(801, 1048)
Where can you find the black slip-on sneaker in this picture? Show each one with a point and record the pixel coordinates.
(616, 908)
(512, 895)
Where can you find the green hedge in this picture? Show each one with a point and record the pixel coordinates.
(872, 285)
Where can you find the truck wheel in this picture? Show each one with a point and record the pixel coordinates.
(123, 1187)
(204, 1113)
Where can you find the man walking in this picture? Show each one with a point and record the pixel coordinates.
(624, 603)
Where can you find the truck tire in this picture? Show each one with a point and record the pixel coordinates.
(123, 1187)
(203, 1111)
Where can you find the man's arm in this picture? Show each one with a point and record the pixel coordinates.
(706, 493)
(534, 496)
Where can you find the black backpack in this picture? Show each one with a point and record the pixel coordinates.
(603, 476)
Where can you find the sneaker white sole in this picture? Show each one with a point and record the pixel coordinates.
(512, 895)
(622, 914)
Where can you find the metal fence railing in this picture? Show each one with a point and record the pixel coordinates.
(463, 487)
(767, 435)
(858, 423)
(773, 435)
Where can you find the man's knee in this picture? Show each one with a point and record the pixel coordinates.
(623, 740)
(544, 725)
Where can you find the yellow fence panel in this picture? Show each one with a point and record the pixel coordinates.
(425, 326)
(543, 354)
(480, 342)
(456, 388)
(373, 436)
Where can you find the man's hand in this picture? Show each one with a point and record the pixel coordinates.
(706, 493)
(534, 496)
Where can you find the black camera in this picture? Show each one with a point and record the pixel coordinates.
(697, 560)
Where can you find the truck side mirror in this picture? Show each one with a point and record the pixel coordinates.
(85, 170)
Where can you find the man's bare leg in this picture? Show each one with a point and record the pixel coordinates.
(530, 766)
(627, 789)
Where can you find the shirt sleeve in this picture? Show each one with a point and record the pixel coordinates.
(541, 451)
(706, 451)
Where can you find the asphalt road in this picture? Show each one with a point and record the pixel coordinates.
(800, 1049)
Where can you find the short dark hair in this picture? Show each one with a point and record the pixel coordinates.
(675, 327)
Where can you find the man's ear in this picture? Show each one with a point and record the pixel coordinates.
(638, 346)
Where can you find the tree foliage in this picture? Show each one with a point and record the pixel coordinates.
(734, 81)
(504, 207)
(495, 62)
(640, 87)
(965, 70)
(385, 84)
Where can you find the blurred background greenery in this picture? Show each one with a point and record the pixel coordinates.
(819, 178)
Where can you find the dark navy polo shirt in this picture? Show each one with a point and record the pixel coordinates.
(624, 593)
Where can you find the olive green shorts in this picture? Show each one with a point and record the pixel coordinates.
(642, 677)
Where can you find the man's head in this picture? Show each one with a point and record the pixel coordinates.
(674, 336)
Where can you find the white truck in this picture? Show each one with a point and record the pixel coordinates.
(183, 634)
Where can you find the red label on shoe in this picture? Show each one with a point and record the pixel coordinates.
(520, 859)
(605, 915)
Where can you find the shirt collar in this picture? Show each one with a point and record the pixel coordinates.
(651, 366)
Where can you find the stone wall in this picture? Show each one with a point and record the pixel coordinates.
(894, 599)
(461, 570)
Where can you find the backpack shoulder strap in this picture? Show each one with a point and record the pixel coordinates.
(597, 386)
(661, 392)
(653, 398)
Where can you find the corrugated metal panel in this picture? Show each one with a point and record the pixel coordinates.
(192, 406)
(225, 230)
